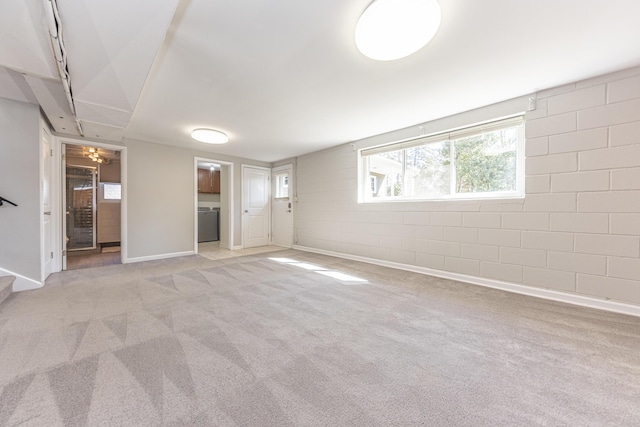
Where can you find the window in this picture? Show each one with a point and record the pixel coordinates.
(476, 162)
(282, 185)
(110, 191)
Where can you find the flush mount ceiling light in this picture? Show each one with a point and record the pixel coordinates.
(210, 136)
(393, 29)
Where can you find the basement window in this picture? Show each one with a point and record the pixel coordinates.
(110, 191)
(483, 161)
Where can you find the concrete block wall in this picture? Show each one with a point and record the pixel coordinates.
(577, 230)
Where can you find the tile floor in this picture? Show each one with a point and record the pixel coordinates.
(212, 250)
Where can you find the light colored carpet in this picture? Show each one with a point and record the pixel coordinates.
(274, 340)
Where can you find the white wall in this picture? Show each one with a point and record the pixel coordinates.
(576, 231)
(159, 200)
(20, 183)
(160, 203)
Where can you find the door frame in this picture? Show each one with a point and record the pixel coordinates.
(292, 183)
(62, 141)
(242, 208)
(54, 231)
(229, 190)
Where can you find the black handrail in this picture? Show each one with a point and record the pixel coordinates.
(2, 200)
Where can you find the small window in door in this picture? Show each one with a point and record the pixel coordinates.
(282, 185)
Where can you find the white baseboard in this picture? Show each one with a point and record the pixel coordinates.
(281, 246)
(157, 257)
(237, 248)
(21, 283)
(575, 299)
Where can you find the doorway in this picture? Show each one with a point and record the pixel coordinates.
(92, 197)
(213, 205)
(256, 196)
(282, 203)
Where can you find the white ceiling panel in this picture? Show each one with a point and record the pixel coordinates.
(53, 100)
(100, 114)
(101, 131)
(14, 86)
(24, 38)
(111, 47)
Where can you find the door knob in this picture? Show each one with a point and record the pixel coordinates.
(246, 211)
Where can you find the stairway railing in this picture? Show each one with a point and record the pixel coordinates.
(2, 200)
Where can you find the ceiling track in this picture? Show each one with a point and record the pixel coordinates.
(60, 54)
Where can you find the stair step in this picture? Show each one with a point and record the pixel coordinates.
(6, 287)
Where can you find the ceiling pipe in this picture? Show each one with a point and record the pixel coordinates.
(60, 54)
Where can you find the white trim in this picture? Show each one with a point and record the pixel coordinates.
(123, 181)
(237, 248)
(56, 208)
(45, 134)
(124, 246)
(21, 283)
(281, 246)
(158, 257)
(450, 137)
(579, 300)
(282, 167)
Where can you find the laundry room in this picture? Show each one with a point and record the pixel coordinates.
(208, 202)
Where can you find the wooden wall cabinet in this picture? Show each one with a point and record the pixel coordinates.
(204, 181)
(208, 181)
(215, 182)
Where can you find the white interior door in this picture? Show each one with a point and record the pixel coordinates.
(47, 224)
(282, 206)
(255, 206)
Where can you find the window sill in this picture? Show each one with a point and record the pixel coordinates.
(445, 199)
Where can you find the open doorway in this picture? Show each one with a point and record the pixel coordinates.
(92, 197)
(213, 205)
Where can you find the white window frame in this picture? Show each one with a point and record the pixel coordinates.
(280, 185)
(364, 189)
(102, 191)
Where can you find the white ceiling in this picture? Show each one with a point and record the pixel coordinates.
(283, 78)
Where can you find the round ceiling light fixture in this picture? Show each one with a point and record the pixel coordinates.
(393, 29)
(210, 136)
